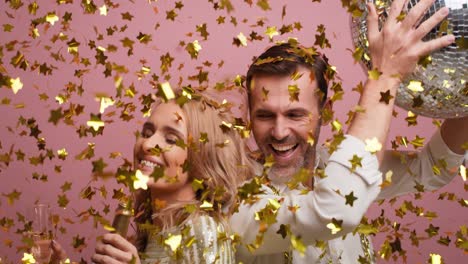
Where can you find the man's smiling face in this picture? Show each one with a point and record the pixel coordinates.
(281, 124)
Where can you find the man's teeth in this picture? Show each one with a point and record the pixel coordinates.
(282, 147)
(148, 163)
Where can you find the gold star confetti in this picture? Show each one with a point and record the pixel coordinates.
(284, 230)
(19, 61)
(374, 74)
(203, 137)
(141, 181)
(103, 10)
(127, 16)
(144, 38)
(335, 226)
(28, 258)
(311, 138)
(298, 245)
(271, 32)
(355, 162)
(296, 76)
(12, 196)
(264, 4)
(320, 39)
(350, 198)
(417, 142)
(385, 97)
(463, 172)
(401, 16)
(203, 31)
(221, 20)
(62, 200)
(32, 8)
(16, 85)
(336, 125)
(462, 43)
(373, 145)
(358, 54)
(432, 230)
(411, 119)
(425, 61)
(206, 205)
(52, 18)
(226, 4)
(302, 176)
(62, 154)
(96, 123)
(105, 102)
(293, 93)
(87, 65)
(415, 86)
(359, 88)
(417, 101)
(73, 46)
(35, 33)
(240, 40)
(79, 243)
(353, 7)
(436, 258)
(193, 48)
(387, 180)
(165, 91)
(173, 241)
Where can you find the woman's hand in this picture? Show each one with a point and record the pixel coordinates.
(58, 253)
(114, 249)
(397, 47)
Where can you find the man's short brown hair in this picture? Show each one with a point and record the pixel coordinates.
(284, 60)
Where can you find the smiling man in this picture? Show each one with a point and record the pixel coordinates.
(284, 221)
(283, 121)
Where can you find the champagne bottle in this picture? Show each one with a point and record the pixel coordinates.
(122, 219)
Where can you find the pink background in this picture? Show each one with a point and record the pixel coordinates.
(118, 135)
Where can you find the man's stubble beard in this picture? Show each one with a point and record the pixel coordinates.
(285, 173)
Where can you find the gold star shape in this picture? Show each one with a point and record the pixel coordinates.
(52, 18)
(374, 74)
(355, 162)
(103, 10)
(373, 145)
(350, 198)
(16, 85)
(271, 32)
(385, 97)
(141, 181)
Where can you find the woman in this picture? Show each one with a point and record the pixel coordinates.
(181, 215)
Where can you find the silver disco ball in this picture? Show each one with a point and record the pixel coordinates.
(438, 87)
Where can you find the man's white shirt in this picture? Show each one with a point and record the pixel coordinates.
(317, 208)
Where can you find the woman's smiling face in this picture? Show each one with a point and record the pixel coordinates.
(156, 147)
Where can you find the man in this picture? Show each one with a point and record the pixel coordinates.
(287, 89)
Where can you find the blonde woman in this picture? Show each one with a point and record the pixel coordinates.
(181, 217)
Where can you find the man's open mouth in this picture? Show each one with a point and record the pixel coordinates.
(283, 149)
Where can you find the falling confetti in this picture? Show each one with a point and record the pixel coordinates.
(94, 83)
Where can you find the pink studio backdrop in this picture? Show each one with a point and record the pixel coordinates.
(51, 70)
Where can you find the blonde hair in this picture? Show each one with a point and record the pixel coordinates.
(217, 157)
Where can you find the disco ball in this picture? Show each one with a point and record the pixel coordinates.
(438, 87)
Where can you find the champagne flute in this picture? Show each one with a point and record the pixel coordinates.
(41, 234)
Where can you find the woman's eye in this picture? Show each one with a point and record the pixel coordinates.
(146, 133)
(171, 140)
